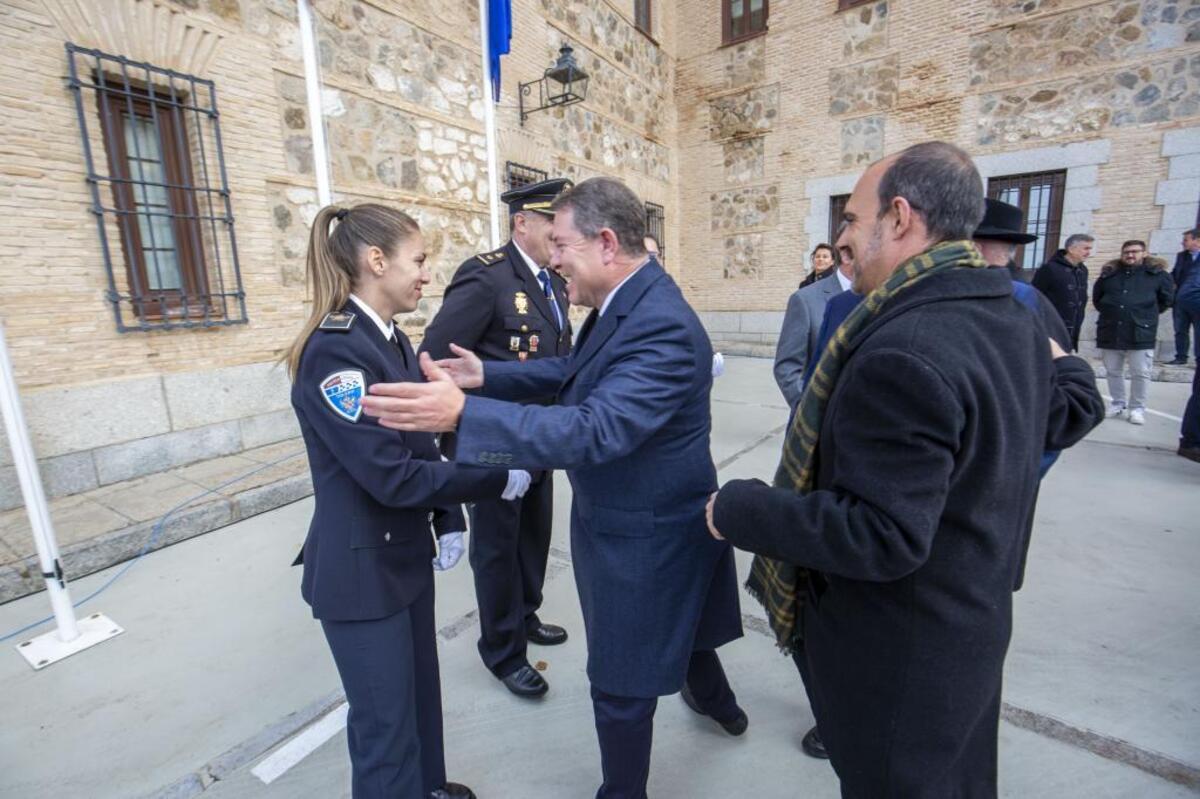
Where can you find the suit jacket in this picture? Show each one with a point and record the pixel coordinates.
(798, 337)
(631, 427)
(1183, 265)
(368, 550)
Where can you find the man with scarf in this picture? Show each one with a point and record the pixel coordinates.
(892, 540)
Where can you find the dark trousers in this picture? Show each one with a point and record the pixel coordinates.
(800, 658)
(510, 543)
(1187, 326)
(625, 725)
(1189, 432)
(389, 670)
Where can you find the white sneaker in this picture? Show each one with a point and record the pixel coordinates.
(1137, 416)
(1115, 411)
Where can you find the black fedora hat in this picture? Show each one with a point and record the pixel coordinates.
(1003, 222)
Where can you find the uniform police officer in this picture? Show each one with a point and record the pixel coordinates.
(367, 558)
(507, 305)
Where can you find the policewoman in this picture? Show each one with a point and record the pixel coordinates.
(369, 555)
(508, 305)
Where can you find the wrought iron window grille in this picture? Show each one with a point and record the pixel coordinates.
(161, 190)
(518, 175)
(656, 220)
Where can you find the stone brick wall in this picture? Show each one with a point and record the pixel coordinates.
(403, 108)
(1095, 87)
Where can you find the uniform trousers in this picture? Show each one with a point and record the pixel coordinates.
(389, 670)
(509, 547)
(625, 725)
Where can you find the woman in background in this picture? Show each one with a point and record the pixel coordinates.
(823, 258)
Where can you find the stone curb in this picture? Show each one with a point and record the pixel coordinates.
(23, 577)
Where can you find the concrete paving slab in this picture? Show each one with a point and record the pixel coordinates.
(75, 519)
(147, 498)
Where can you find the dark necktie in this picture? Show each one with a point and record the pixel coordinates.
(544, 279)
(395, 342)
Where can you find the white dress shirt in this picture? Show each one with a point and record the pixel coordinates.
(844, 281)
(387, 328)
(613, 293)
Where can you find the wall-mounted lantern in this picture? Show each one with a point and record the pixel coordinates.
(565, 83)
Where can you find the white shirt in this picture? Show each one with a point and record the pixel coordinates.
(387, 329)
(844, 281)
(613, 293)
(534, 268)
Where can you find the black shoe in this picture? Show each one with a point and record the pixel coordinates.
(813, 746)
(1191, 453)
(735, 726)
(547, 635)
(526, 682)
(1177, 362)
(452, 790)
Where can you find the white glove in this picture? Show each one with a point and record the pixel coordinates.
(718, 364)
(450, 549)
(518, 484)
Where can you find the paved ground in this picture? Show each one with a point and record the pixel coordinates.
(220, 650)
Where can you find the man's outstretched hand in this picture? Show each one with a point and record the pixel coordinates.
(466, 370)
(432, 407)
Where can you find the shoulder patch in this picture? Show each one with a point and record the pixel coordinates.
(340, 321)
(343, 393)
(495, 256)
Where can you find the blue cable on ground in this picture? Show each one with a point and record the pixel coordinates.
(154, 534)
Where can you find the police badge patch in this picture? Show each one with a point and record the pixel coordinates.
(344, 392)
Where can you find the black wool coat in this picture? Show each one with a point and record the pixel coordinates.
(1066, 286)
(1129, 300)
(926, 477)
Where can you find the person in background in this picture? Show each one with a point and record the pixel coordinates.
(1188, 296)
(1130, 294)
(653, 247)
(369, 554)
(1064, 281)
(801, 324)
(823, 258)
(1187, 322)
(508, 305)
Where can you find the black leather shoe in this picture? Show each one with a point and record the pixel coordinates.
(526, 682)
(1191, 453)
(735, 726)
(547, 635)
(813, 746)
(1177, 362)
(452, 790)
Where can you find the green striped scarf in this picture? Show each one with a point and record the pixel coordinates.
(782, 587)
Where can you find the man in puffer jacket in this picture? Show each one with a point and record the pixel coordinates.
(1130, 294)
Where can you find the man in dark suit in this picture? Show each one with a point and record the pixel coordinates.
(631, 428)
(507, 305)
(1187, 324)
(798, 336)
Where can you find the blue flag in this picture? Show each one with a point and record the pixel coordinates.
(499, 38)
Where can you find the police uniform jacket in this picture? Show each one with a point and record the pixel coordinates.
(369, 545)
(631, 427)
(496, 308)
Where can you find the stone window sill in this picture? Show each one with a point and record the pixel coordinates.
(746, 38)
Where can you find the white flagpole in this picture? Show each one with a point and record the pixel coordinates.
(70, 636)
(489, 117)
(316, 113)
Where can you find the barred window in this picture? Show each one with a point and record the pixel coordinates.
(844, 5)
(518, 175)
(742, 19)
(160, 190)
(656, 217)
(1039, 195)
(641, 16)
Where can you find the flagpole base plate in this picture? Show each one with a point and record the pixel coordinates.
(47, 649)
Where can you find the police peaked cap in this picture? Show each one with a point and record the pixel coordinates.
(535, 196)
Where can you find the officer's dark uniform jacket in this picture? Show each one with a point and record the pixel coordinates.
(369, 547)
(495, 307)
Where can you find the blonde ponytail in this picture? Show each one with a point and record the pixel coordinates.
(332, 267)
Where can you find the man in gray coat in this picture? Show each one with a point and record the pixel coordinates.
(801, 324)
